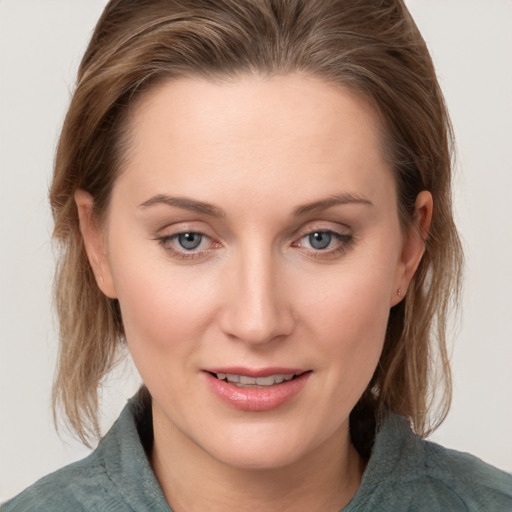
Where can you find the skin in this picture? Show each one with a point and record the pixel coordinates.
(256, 292)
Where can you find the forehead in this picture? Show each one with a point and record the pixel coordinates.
(256, 133)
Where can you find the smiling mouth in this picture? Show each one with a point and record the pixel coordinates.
(244, 381)
(256, 390)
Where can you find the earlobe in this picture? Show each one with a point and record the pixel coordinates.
(413, 245)
(94, 243)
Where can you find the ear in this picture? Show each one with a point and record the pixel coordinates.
(413, 245)
(95, 244)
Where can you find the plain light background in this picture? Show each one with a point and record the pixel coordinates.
(41, 43)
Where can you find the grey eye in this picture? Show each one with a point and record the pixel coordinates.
(320, 240)
(190, 241)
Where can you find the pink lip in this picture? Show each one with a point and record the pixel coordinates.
(256, 398)
(256, 372)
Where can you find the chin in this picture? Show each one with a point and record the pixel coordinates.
(260, 448)
(257, 458)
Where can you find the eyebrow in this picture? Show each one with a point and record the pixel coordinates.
(334, 200)
(183, 202)
(213, 211)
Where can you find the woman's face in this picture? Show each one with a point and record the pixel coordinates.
(253, 234)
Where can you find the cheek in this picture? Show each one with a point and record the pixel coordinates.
(353, 322)
(164, 306)
(353, 297)
(165, 317)
(348, 316)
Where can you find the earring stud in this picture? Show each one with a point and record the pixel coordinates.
(399, 292)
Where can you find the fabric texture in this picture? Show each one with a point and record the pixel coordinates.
(404, 473)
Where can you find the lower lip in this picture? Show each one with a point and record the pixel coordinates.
(256, 398)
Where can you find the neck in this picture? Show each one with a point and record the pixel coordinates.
(324, 480)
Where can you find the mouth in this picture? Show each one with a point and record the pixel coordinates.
(246, 381)
(256, 389)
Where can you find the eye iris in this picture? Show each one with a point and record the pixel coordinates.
(189, 241)
(320, 240)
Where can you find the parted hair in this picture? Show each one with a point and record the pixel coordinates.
(372, 47)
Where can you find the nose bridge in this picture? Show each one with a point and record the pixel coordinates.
(258, 311)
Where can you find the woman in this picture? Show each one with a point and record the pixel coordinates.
(255, 198)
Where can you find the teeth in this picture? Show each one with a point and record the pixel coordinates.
(244, 380)
(247, 380)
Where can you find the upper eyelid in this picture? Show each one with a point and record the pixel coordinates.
(297, 233)
(310, 225)
(174, 236)
(301, 233)
(342, 231)
(342, 227)
(330, 231)
(170, 231)
(182, 226)
(340, 237)
(185, 231)
(324, 224)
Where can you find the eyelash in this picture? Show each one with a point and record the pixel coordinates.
(183, 254)
(344, 242)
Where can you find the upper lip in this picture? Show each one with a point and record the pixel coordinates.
(255, 372)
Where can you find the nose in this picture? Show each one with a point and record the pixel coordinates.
(258, 308)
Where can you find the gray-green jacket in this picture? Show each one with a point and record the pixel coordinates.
(405, 473)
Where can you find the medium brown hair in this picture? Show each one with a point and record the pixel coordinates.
(372, 47)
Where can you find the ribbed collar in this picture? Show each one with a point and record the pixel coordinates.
(396, 453)
(127, 464)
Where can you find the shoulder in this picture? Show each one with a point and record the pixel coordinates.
(79, 486)
(117, 476)
(478, 485)
(447, 479)
(406, 473)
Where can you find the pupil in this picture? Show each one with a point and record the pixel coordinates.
(189, 241)
(320, 240)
